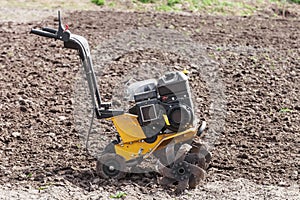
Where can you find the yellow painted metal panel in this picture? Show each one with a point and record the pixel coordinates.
(128, 127)
(138, 148)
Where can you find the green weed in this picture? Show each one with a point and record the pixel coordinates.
(172, 3)
(118, 195)
(112, 4)
(99, 2)
(284, 110)
(29, 175)
(41, 188)
(164, 8)
(208, 2)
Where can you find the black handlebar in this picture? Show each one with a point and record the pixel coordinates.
(50, 30)
(60, 34)
(44, 33)
(73, 41)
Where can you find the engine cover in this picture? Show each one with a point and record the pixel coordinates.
(171, 96)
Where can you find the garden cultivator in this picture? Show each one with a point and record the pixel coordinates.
(160, 122)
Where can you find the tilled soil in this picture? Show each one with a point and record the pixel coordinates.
(258, 60)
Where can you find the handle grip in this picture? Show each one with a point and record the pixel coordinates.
(49, 30)
(43, 33)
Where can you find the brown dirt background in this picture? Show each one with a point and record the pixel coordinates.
(259, 66)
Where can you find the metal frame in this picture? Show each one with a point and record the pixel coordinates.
(73, 41)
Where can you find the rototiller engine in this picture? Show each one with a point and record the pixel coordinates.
(161, 122)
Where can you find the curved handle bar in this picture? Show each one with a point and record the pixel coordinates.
(73, 41)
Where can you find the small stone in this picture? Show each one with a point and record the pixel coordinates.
(7, 172)
(96, 180)
(51, 134)
(16, 134)
(59, 147)
(22, 102)
(199, 99)
(23, 108)
(62, 118)
(69, 123)
(295, 173)
(282, 183)
(52, 44)
(243, 156)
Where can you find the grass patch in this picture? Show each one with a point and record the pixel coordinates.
(215, 7)
(99, 2)
(112, 4)
(165, 8)
(172, 3)
(295, 1)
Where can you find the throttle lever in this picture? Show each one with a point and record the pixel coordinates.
(61, 29)
(62, 33)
